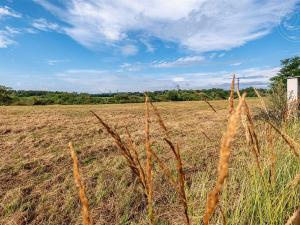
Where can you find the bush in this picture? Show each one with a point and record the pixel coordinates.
(173, 95)
(276, 105)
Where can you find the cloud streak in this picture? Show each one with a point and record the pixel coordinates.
(180, 62)
(5, 11)
(44, 25)
(198, 25)
(95, 81)
(6, 36)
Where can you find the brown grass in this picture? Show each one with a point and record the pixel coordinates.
(79, 183)
(34, 187)
(228, 137)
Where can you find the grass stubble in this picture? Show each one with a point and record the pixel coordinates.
(145, 173)
(36, 190)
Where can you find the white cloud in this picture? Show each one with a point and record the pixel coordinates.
(199, 25)
(44, 25)
(101, 80)
(95, 81)
(7, 33)
(130, 67)
(129, 50)
(53, 62)
(183, 61)
(6, 36)
(148, 45)
(5, 41)
(178, 79)
(8, 12)
(236, 64)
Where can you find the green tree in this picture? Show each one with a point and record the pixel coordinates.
(5, 95)
(173, 95)
(290, 68)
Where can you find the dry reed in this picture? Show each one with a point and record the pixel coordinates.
(181, 179)
(123, 148)
(228, 137)
(149, 172)
(79, 183)
(270, 146)
(136, 158)
(253, 137)
(205, 135)
(262, 102)
(294, 146)
(210, 105)
(160, 120)
(294, 182)
(180, 184)
(245, 125)
(238, 90)
(231, 98)
(294, 219)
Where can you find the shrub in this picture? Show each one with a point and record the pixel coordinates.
(275, 108)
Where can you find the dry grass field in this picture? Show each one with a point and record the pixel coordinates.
(37, 184)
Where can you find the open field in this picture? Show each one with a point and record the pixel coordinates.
(36, 180)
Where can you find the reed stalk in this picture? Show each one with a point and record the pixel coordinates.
(149, 172)
(231, 98)
(228, 137)
(79, 183)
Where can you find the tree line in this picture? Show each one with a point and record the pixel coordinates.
(22, 97)
(290, 68)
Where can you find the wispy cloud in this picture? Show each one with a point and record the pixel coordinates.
(236, 64)
(6, 36)
(44, 25)
(129, 50)
(95, 81)
(183, 61)
(7, 33)
(131, 67)
(5, 11)
(199, 25)
(148, 45)
(53, 62)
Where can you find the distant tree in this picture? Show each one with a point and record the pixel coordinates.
(173, 95)
(290, 68)
(5, 95)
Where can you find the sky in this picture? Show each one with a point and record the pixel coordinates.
(100, 46)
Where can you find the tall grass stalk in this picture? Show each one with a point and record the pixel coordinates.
(79, 183)
(149, 173)
(231, 98)
(232, 127)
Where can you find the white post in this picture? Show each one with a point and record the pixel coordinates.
(292, 94)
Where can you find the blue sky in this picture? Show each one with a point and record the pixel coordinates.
(131, 45)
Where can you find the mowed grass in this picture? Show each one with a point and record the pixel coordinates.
(37, 184)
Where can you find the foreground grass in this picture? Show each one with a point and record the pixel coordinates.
(36, 183)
